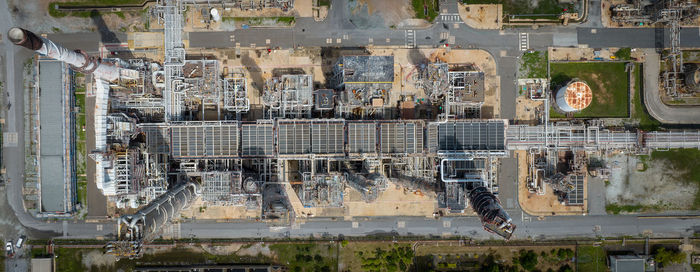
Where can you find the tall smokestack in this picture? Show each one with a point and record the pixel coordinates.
(78, 59)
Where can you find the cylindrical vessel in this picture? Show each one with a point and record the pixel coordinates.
(575, 96)
(692, 79)
(78, 59)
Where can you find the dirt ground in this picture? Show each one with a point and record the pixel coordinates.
(482, 16)
(547, 204)
(656, 186)
(218, 212)
(583, 54)
(526, 109)
(382, 13)
(395, 201)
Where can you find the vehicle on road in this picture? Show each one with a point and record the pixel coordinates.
(9, 250)
(20, 241)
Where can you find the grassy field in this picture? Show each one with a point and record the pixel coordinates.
(523, 7)
(85, 14)
(686, 162)
(646, 122)
(308, 257)
(534, 65)
(81, 144)
(590, 258)
(285, 20)
(608, 81)
(420, 7)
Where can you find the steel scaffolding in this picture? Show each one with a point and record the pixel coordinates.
(170, 15)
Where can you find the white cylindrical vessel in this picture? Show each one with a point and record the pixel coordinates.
(575, 96)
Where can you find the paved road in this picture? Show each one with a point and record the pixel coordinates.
(550, 228)
(652, 100)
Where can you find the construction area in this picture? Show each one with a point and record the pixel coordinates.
(281, 135)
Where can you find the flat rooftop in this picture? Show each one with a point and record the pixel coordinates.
(53, 152)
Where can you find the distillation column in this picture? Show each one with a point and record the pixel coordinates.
(492, 215)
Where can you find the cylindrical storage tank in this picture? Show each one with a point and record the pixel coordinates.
(575, 96)
(692, 79)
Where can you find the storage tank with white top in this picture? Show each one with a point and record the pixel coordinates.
(573, 97)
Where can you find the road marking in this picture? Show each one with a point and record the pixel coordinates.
(451, 39)
(388, 40)
(10, 139)
(524, 41)
(252, 45)
(450, 18)
(99, 227)
(446, 224)
(329, 40)
(338, 40)
(401, 224)
(371, 42)
(267, 41)
(355, 225)
(594, 31)
(232, 38)
(346, 36)
(410, 38)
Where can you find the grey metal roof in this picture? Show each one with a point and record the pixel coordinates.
(256, 140)
(626, 263)
(401, 137)
(467, 136)
(368, 69)
(294, 138)
(52, 150)
(327, 137)
(362, 137)
(204, 140)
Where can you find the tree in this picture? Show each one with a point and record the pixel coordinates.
(666, 257)
(565, 268)
(624, 53)
(528, 259)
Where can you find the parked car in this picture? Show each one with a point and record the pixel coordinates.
(9, 249)
(20, 241)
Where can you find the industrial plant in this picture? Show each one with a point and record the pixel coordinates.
(173, 131)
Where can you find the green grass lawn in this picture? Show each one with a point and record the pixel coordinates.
(686, 163)
(284, 20)
(85, 14)
(81, 145)
(533, 65)
(590, 259)
(307, 257)
(646, 122)
(419, 7)
(608, 81)
(521, 7)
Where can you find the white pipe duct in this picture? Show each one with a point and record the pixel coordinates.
(78, 59)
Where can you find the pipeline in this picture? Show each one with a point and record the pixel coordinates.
(78, 59)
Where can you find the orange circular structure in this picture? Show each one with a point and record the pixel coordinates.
(575, 96)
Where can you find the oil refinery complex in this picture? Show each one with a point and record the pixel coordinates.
(173, 130)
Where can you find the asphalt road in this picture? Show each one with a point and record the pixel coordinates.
(310, 33)
(549, 228)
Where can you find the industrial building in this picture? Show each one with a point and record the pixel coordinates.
(57, 178)
(170, 133)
